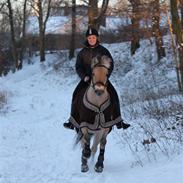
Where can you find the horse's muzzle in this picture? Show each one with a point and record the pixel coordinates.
(99, 88)
(99, 92)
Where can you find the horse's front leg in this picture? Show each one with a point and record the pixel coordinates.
(99, 166)
(86, 152)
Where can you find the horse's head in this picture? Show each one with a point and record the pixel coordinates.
(100, 70)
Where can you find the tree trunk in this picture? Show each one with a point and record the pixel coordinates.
(42, 45)
(14, 49)
(41, 32)
(42, 18)
(23, 34)
(156, 29)
(94, 16)
(135, 42)
(92, 12)
(72, 45)
(101, 14)
(177, 30)
(181, 10)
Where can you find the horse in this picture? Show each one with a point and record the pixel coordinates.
(96, 97)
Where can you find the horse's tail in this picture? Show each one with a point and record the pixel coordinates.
(78, 137)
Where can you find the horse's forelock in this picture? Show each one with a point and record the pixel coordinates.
(106, 61)
(95, 61)
(103, 60)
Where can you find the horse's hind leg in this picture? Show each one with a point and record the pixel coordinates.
(86, 152)
(100, 162)
(84, 165)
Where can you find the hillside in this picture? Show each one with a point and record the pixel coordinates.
(35, 148)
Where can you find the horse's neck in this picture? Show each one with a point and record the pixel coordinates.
(95, 99)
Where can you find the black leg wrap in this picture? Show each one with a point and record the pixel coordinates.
(102, 151)
(100, 160)
(86, 151)
(84, 160)
(84, 166)
(100, 165)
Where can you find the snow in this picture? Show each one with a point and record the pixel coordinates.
(62, 24)
(35, 148)
(56, 25)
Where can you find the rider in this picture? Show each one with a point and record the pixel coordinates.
(92, 49)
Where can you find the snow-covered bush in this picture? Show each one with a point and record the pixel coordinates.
(151, 103)
(3, 99)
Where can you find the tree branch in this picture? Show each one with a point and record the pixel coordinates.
(103, 10)
(47, 13)
(2, 6)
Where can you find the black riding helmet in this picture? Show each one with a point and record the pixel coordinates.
(91, 31)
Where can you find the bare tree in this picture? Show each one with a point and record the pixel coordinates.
(101, 14)
(92, 12)
(156, 29)
(22, 45)
(181, 10)
(2, 4)
(95, 16)
(177, 30)
(11, 21)
(135, 42)
(4, 13)
(42, 9)
(72, 45)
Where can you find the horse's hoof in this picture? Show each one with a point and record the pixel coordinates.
(84, 168)
(99, 166)
(98, 169)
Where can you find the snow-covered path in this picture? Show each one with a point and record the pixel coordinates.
(35, 148)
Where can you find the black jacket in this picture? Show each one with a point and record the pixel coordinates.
(85, 56)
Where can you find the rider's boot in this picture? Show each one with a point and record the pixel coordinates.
(68, 125)
(122, 125)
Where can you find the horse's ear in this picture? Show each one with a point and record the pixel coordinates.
(94, 62)
(106, 61)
